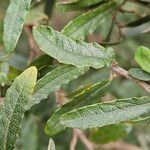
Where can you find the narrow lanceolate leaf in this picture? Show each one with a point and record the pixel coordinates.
(14, 106)
(54, 80)
(139, 74)
(29, 129)
(88, 96)
(107, 113)
(85, 24)
(14, 21)
(68, 51)
(139, 21)
(51, 145)
(77, 5)
(109, 133)
(42, 61)
(143, 121)
(142, 57)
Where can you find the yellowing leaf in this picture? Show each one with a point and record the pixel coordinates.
(14, 106)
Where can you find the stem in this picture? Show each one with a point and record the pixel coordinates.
(122, 72)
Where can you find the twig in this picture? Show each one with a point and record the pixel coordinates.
(120, 145)
(74, 140)
(89, 145)
(60, 97)
(32, 43)
(118, 70)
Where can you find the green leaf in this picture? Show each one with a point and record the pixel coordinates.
(107, 113)
(139, 74)
(79, 90)
(14, 106)
(77, 5)
(51, 145)
(42, 61)
(36, 15)
(88, 96)
(13, 23)
(68, 51)
(142, 57)
(85, 24)
(139, 21)
(53, 80)
(109, 133)
(142, 121)
(29, 129)
(13, 73)
(4, 67)
(3, 77)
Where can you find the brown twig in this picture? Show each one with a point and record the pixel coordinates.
(60, 97)
(32, 43)
(120, 71)
(74, 140)
(119, 145)
(89, 145)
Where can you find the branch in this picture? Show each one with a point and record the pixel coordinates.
(60, 97)
(122, 72)
(120, 145)
(88, 144)
(74, 140)
(32, 43)
(113, 145)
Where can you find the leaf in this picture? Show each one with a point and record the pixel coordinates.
(109, 133)
(14, 21)
(36, 15)
(77, 5)
(4, 67)
(88, 96)
(29, 134)
(13, 73)
(79, 90)
(42, 61)
(14, 106)
(53, 80)
(142, 57)
(139, 21)
(51, 145)
(107, 113)
(3, 77)
(86, 23)
(139, 74)
(143, 121)
(68, 51)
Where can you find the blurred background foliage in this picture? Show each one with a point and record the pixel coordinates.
(118, 32)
